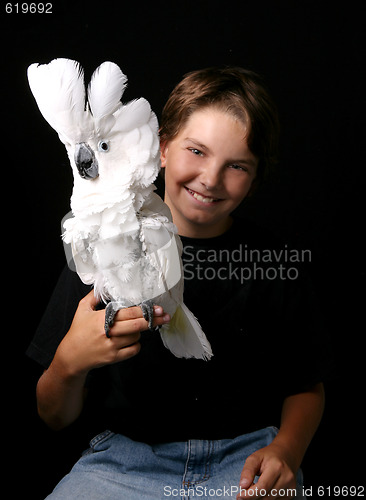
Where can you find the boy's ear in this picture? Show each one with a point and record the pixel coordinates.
(163, 151)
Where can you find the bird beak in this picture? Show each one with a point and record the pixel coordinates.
(86, 162)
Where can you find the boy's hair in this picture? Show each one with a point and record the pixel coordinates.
(234, 90)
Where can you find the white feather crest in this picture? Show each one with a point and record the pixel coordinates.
(58, 88)
(135, 114)
(105, 89)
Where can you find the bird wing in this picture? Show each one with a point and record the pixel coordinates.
(183, 335)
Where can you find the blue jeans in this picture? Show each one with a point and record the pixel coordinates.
(115, 467)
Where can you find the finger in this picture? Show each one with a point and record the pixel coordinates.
(276, 480)
(89, 301)
(243, 493)
(250, 470)
(135, 312)
(138, 324)
(128, 352)
(266, 482)
(125, 339)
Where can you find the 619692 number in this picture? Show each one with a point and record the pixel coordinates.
(28, 8)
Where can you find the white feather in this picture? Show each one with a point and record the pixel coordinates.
(135, 114)
(59, 90)
(105, 90)
(183, 336)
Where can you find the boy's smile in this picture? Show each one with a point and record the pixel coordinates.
(201, 197)
(209, 171)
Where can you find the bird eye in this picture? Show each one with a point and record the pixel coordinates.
(103, 146)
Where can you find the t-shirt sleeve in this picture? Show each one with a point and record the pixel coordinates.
(57, 317)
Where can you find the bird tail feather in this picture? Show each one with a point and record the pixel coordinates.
(184, 337)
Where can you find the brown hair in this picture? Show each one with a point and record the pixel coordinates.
(234, 90)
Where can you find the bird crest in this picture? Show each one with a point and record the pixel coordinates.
(115, 145)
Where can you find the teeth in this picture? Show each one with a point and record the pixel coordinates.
(201, 198)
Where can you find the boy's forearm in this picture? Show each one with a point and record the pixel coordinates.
(60, 396)
(301, 415)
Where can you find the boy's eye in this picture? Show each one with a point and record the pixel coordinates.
(238, 167)
(196, 152)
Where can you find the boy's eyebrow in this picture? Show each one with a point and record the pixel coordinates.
(196, 143)
(247, 161)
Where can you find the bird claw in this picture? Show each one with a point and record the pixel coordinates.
(110, 314)
(111, 310)
(147, 308)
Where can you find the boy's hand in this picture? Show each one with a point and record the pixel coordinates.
(86, 346)
(272, 465)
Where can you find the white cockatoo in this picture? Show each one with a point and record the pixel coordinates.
(121, 233)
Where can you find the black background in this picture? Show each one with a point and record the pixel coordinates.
(311, 54)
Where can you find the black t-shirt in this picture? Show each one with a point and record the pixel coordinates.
(256, 308)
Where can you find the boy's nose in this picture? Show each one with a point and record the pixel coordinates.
(211, 178)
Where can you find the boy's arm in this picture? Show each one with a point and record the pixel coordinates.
(60, 396)
(60, 390)
(277, 463)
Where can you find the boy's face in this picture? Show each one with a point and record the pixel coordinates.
(209, 170)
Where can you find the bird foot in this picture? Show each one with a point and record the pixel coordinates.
(111, 310)
(147, 308)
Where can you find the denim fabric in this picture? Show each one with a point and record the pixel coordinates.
(115, 467)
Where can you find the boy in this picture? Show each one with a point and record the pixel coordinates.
(180, 425)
